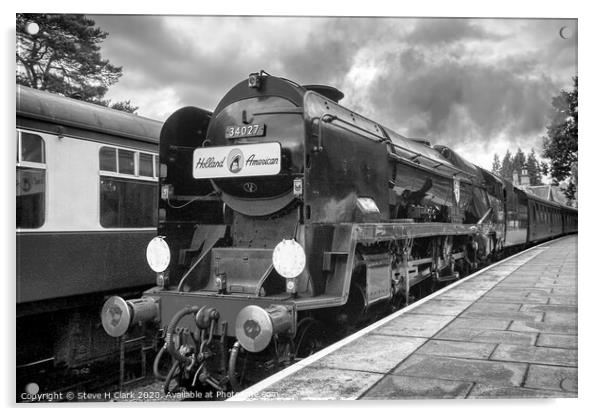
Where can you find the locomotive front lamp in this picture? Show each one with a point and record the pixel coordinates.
(288, 259)
(220, 282)
(254, 80)
(161, 279)
(157, 254)
(291, 285)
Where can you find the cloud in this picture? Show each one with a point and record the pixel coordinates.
(457, 81)
(445, 31)
(461, 84)
(453, 100)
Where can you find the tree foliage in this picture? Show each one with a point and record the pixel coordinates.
(533, 169)
(64, 57)
(496, 166)
(516, 163)
(560, 145)
(123, 106)
(507, 166)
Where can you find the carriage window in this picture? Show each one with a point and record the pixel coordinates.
(31, 181)
(126, 162)
(108, 159)
(126, 203)
(128, 189)
(146, 165)
(31, 193)
(32, 148)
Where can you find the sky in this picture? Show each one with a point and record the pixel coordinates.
(479, 86)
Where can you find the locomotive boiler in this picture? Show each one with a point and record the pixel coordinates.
(285, 217)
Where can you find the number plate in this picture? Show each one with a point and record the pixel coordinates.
(248, 130)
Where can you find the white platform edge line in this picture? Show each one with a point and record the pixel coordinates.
(262, 385)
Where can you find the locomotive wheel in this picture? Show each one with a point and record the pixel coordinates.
(309, 338)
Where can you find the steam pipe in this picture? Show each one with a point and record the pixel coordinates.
(169, 343)
(156, 371)
(232, 366)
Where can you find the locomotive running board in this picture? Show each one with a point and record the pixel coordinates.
(375, 232)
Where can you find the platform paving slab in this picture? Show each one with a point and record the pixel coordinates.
(484, 306)
(480, 391)
(442, 307)
(536, 355)
(479, 323)
(562, 318)
(557, 341)
(467, 295)
(415, 325)
(526, 307)
(373, 353)
(504, 315)
(457, 349)
(547, 377)
(402, 387)
(562, 300)
(449, 368)
(487, 335)
(543, 327)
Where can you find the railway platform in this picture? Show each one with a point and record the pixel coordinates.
(507, 331)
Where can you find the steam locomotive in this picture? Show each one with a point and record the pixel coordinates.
(283, 213)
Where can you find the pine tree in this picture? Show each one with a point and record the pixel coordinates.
(518, 161)
(533, 169)
(496, 166)
(63, 57)
(507, 166)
